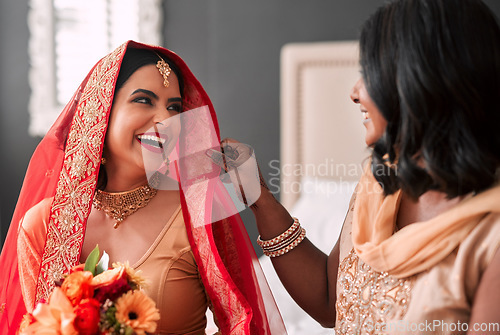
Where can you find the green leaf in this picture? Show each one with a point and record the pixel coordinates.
(103, 264)
(92, 259)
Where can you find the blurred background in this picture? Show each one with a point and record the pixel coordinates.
(233, 47)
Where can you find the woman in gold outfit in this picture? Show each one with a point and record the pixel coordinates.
(92, 181)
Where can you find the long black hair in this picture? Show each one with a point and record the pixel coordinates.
(432, 67)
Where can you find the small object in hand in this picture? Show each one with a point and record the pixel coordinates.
(230, 152)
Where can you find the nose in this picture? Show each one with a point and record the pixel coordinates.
(355, 91)
(162, 114)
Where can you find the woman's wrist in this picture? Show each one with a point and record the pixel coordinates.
(272, 218)
(266, 201)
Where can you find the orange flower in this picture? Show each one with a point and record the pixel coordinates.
(107, 277)
(78, 286)
(28, 319)
(135, 277)
(79, 267)
(56, 317)
(87, 317)
(138, 311)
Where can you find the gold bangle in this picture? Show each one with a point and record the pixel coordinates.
(289, 247)
(281, 237)
(285, 242)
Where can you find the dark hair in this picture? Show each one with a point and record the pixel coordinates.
(432, 68)
(134, 59)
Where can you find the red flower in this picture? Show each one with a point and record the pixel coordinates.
(87, 317)
(78, 286)
(112, 290)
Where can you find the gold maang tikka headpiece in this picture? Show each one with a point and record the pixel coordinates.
(164, 69)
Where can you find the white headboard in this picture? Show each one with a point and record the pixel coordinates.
(322, 132)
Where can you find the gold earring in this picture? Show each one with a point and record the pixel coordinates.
(103, 160)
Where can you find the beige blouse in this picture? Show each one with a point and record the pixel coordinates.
(436, 301)
(175, 283)
(168, 265)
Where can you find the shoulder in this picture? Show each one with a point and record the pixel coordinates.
(484, 240)
(37, 214)
(30, 244)
(487, 298)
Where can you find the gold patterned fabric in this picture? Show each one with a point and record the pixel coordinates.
(369, 298)
(437, 300)
(76, 184)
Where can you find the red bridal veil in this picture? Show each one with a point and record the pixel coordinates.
(65, 167)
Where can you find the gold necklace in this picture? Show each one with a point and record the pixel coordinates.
(120, 205)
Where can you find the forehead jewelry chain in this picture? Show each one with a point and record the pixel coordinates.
(164, 69)
(121, 205)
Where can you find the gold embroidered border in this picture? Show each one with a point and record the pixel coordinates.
(229, 300)
(75, 188)
(366, 299)
(195, 194)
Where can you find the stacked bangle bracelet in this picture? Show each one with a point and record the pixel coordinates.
(285, 242)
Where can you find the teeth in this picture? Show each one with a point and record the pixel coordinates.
(365, 115)
(151, 138)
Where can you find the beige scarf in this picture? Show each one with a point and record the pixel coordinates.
(420, 245)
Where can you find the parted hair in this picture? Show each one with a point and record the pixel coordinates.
(432, 67)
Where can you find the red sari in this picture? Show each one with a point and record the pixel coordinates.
(65, 167)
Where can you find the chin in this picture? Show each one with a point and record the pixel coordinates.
(372, 138)
(370, 142)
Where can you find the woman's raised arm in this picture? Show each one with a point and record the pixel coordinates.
(308, 274)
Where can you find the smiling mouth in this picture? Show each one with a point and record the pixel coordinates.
(152, 142)
(366, 116)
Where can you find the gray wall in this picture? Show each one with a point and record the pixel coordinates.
(233, 47)
(16, 146)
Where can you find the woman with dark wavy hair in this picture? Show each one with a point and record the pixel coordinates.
(419, 250)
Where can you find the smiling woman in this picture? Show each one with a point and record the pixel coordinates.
(90, 182)
(373, 120)
(138, 105)
(420, 241)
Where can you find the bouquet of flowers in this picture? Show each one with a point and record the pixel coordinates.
(94, 300)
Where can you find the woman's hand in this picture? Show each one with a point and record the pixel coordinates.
(306, 272)
(239, 167)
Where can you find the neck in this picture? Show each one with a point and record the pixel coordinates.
(427, 206)
(120, 180)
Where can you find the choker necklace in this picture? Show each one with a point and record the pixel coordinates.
(120, 205)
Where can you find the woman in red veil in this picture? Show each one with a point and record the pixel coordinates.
(58, 215)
